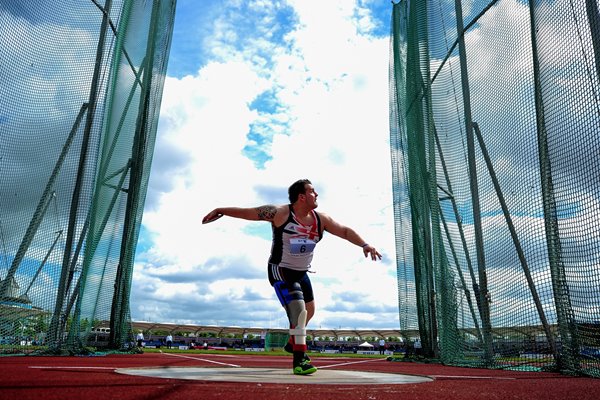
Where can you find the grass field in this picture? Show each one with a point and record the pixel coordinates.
(262, 353)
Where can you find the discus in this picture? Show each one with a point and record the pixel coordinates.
(216, 217)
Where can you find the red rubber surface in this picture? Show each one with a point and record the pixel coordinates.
(54, 378)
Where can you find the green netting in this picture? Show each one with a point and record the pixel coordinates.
(80, 91)
(276, 340)
(494, 118)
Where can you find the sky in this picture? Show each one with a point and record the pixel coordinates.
(260, 94)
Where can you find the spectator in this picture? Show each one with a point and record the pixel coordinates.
(418, 347)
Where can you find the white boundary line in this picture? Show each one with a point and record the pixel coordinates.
(222, 355)
(67, 367)
(201, 359)
(349, 363)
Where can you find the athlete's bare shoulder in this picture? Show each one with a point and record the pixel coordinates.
(328, 223)
(272, 213)
(276, 214)
(266, 212)
(324, 217)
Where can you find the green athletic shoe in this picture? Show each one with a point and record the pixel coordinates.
(304, 368)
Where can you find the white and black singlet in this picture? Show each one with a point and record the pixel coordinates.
(291, 255)
(294, 243)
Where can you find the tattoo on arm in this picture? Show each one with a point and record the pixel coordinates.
(266, 212)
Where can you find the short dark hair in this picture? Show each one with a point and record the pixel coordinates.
(297, 189)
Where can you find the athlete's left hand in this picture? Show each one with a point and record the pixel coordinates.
(370, 250)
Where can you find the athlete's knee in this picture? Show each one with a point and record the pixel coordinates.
(295, 292)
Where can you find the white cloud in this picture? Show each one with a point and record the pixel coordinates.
(330, 125)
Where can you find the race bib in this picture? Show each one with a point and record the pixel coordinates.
(301, 246)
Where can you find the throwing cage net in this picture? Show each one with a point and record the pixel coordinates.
(276, 340)
(494, 116)
(80, 91)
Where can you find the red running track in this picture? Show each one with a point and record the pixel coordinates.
(90, 378)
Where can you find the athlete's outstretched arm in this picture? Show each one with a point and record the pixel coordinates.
(261, 213)
(345, 232)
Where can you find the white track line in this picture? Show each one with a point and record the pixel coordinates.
(222, 355)
(67, 367)
(200, 359)
(350, 362)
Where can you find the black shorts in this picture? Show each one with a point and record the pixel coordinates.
(286, 282)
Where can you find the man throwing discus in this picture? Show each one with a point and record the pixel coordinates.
(297, 228)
